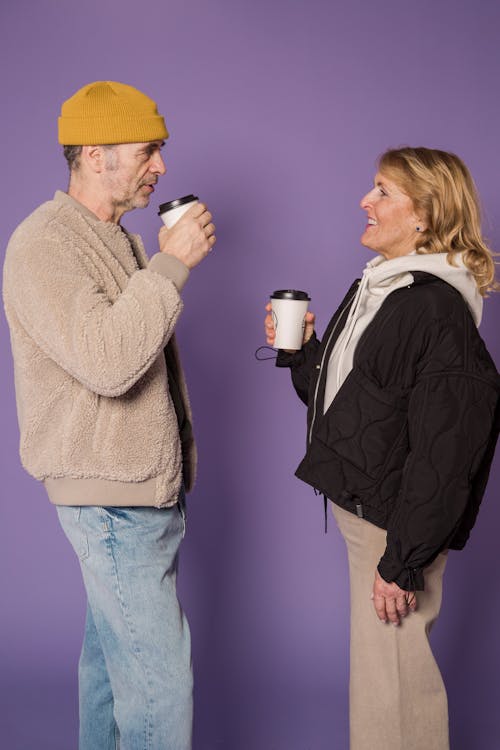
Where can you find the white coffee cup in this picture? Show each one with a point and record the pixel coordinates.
(288, 310)
(172, 211)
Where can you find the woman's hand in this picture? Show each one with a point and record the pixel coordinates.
(392, 603)
(271, 333)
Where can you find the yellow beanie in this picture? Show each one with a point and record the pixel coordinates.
(107, 112)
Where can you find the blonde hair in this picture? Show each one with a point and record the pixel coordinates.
(445, 197)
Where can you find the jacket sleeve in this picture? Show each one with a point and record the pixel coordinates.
(451, 423)
(301, 365)
(62, 304)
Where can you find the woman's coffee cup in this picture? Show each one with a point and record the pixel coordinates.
(288, 310)
(172, 211)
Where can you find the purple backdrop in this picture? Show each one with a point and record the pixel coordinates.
(277, 112)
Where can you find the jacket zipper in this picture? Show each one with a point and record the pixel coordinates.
(347, 304)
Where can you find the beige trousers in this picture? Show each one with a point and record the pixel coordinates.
(396, 693)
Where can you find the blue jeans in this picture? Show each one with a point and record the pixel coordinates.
(135, 674)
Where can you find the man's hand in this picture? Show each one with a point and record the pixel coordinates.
(271, 333)
(390, 602)
(191, 238)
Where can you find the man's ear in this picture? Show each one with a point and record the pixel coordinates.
(94, 158)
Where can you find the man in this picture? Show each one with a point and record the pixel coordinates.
(103, 410)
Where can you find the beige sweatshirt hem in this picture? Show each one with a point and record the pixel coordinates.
(104, 492)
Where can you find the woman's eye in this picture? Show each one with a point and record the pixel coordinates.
(382, 191)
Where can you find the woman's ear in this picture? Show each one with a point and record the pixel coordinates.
(420, 224)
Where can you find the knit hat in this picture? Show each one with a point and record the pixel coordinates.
(107, 112)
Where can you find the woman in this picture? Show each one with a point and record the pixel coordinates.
(403, 413)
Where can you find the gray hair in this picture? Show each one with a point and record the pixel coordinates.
(72, 155)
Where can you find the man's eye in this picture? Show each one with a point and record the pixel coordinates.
(382, 191)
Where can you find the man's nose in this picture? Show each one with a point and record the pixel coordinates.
(158, 165)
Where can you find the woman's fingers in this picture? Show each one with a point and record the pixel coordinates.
(390, 601)
(269, 326)
(379, 604)
(401, 605)
(270, 330)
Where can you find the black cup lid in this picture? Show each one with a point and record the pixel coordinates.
(290, 294)
(175, 203)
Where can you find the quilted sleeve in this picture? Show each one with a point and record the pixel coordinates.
(451, 422)
(301, 365)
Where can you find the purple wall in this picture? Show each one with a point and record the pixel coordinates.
(277, 112)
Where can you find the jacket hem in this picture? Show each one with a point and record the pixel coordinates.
(105, 492)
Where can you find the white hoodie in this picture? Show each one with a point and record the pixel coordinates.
(380, 278)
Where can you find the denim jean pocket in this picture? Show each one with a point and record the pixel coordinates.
(182, 510)
(70, 520)
(127, 517)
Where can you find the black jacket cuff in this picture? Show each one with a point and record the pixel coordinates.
(407, 578)
(295, 359)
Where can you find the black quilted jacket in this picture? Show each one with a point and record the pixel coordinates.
(408, 441)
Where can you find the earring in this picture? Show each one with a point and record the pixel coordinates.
(417, 229)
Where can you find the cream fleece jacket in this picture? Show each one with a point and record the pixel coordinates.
(89, 318)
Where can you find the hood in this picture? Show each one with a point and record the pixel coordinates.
(382, 276)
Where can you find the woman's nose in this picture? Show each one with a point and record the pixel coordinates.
(365, 200)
